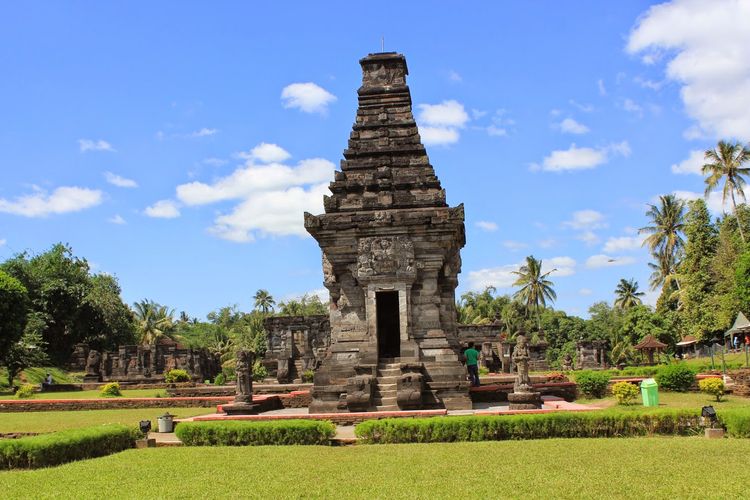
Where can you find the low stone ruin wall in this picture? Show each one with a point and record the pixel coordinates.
(741, 382)
(499, 392)
(24, 405)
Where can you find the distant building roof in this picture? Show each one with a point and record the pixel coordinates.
(687, 340)
(649, 342)
(741, 325)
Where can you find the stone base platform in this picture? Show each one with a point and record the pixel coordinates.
(349, 418)
(525, 401)
(233, 409)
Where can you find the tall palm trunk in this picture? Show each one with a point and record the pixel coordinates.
(739, 222)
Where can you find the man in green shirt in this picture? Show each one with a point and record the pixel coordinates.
(472, 357)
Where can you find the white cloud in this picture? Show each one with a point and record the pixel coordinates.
(575, 158)
(252, 179)
(547, 243)
(586, 108)
(514, 246)
(503, 277)
(585, 291)
(62, 200)
(439, 123)
(570, 126)
(602, 88)
(631, 106)
(714, 201)
(446, 114)
(495, 131)
(266, 153)
(163, 209)
(307, 97)
(623, 244)
(91, 145)
(648, 84)
(117, 219)
(589, 237)
(454, 76)
(693, 164)
(486, 225)
(601, 260)
(3, 242)
(438, 135)
(707, 49)
(214, 162)
(477, 113)
(204, 132)
(119, 181)
(586, 219)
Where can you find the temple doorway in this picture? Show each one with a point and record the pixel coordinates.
(389, 332)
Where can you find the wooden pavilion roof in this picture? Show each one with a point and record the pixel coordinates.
(650, 342)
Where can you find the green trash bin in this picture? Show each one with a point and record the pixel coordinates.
(650, 392)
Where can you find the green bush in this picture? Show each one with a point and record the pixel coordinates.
(483, 370)
(308, 376)
(539, 426)
(736, 421)
(712, 386)
(676, 377)
(592, 384)
(625, 392)
(65, 446)
(26, 391)
(239, 433)
(259, 371)
(176, 375)
(220, 379)
(111, 390)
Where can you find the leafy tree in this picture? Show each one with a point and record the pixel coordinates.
(27, 351)
(742, 282)
(153, 321)
(725, 163)
(307, 305)
(103, 318)
(14, 301)
(698, 284)
(723, 266)
(264, 301)
(627, 294)
(481, 308)
(536, 289)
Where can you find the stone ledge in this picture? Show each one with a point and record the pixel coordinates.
(337, 418)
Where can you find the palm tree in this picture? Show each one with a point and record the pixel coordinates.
(664, 238)
(264, 301)
(663, 272)
(536, 289)
(725, 163)
(153, 321)
(627, 294)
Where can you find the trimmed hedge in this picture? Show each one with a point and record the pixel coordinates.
(248, 433)
(676, 377)
(58, 448)
(538, 426)
(736, 421)
(592, 384)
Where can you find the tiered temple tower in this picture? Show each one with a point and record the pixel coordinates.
(391, 261)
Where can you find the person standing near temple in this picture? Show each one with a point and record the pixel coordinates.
(472, 358)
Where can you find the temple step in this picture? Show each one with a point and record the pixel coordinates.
(386, 408)
(384, 401)
(389, 372)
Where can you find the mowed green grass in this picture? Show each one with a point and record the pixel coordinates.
(93, 394)
(555, 468)
(676, 400)
(51, 421)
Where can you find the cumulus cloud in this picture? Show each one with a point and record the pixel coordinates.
(693, 164)
(454, 76)
(575, 158)
(117, 219)
(601, 260)
(91, 145)
(119, 181)
(62, 200)
(486, 226)
(570, 126)
(163, 209)
(714, 202)
(439, 124)
(266, 153)
(706, 46)
(307, 97)
(204, 132)
(623, 244)
(586, 222)
(503, 277)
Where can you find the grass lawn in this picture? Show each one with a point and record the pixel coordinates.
(93, 394)
(695, 400)
(51, 421)
(555, 468)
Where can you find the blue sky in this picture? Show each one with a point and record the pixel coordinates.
(176, 144)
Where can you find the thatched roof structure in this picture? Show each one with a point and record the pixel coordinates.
(650, 342)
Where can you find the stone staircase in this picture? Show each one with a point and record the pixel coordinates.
(384, 394)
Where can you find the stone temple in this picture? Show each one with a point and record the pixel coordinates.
(391, 260)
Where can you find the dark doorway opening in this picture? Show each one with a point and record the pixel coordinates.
(389, 333)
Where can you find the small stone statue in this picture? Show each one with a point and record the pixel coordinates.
(244, 371)
(92, 363)
(521, 359)
(567, 363)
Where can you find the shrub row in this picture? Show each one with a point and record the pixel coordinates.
(736, 421)
(675, 377)
(592, 384)
(239, 433)
(65, 446)
(539, 426)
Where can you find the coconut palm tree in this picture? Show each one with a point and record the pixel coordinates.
(667, 223)
(725, 163)
(535, 289)
(153, 321)
(663, 271)
(264, 301)
(627, 294)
